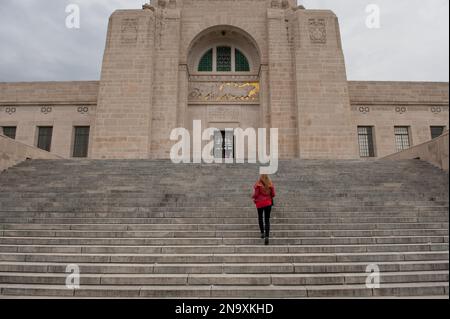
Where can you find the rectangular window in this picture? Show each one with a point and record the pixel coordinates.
(402, 140)
(81, 142)
(10, 131)
(365, 138)
(437, 131)
(45, 138)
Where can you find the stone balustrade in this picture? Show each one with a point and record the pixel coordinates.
(434, 152)
(13, 152)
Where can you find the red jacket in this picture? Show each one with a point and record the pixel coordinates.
(260, 197)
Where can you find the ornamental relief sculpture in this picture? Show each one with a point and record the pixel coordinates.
(224, 92)
(318, 31)
(129, 31)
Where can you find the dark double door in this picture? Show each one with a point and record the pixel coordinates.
(224, 144)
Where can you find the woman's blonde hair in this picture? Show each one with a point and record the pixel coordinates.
(266, 182)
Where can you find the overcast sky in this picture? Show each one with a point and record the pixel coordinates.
(411, 44)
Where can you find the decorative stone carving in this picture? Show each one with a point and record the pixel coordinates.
(318, 31)
(436, 109)
(148, 6)
(172, 4)
(46, 109)
(401, 109)
(129, 31)
(162, 4)
(275, 4)
(10, 110)
(83, 109)
(224, 92)
(223, 114)
(364, 109)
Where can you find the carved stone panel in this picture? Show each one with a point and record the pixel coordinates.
(223, 113)
(129, 31)
(318, 31)
(10, 110)
(234, 92)
(401, 109)
(364, 109)
(436, 109)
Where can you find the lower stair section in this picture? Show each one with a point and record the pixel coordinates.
(151, 229)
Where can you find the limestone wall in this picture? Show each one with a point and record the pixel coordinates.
(13, 152)
(384, 105)
(434, 152)
(323, 104)
(62, 105)
(123, 116)
(380, 92)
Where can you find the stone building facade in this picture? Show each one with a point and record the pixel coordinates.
(230, 64)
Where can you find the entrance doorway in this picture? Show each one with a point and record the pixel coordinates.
(224, 144)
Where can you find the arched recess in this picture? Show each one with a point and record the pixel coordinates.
(224, 97)
(215, 37)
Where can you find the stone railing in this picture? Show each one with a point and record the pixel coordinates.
(13, 153)
(434, 152)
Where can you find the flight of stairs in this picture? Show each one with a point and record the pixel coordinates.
(153, 229)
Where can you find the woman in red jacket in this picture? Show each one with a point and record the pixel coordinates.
(263, 194)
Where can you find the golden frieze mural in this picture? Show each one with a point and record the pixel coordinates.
(224, 92)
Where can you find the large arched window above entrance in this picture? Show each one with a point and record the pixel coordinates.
(226, 58)
(222, 51)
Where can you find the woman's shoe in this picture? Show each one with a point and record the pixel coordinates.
(263, 235)
(266, 241)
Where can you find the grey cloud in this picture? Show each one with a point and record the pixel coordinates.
(412, 44)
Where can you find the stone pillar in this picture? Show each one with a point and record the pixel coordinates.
(264, 98)
(283, 113)
(183, 84)
(124, 110)
(165, 89)
(323, 103)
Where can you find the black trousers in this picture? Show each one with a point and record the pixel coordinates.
(264, 219)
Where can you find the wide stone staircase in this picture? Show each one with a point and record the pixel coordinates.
(153, 229)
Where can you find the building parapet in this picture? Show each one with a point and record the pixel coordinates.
(405, 93)
(30, 93)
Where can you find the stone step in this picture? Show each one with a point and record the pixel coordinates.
(295, 203)
(289, 268)
(86, 249)
(214, 214)
(241, 199)
(221, 241)
(338, 196)
(222, 234)
(17, 209)
(224, 258)
(153, 229)
(219, 227)
(224, 221)
(403, 289)
(223, 279)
